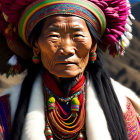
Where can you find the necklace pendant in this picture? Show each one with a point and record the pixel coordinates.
(75, 104)
(51, 103)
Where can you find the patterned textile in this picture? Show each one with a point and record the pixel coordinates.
(132, 120)
(41, 9)
(5, 123)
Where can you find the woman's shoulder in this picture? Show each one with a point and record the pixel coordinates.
(12, 90)
(13, 96)
(5, 117)
(13, 93)
(124, 94)
(8, 104)
(130, 104)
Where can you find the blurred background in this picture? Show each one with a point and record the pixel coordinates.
(125, 69)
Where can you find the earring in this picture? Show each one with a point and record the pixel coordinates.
(93, 54)
(35, 57)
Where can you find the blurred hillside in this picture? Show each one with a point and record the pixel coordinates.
(126, 69)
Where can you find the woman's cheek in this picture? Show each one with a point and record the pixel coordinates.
(84, 44)
(83, 50)
(48, 62)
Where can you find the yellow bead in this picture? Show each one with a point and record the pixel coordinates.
(75, 101)
(51, 100)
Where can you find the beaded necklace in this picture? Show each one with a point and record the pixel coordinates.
(65, 99)
(60, 126)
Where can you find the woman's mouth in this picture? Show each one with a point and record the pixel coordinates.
(67, 63)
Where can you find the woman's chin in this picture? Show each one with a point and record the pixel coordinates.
(66, 74)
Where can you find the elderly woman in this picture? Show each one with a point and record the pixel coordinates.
(67, 93)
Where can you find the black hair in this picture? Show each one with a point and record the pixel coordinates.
(101, 81)
(33, 37)
(23, 102)
(106, 95)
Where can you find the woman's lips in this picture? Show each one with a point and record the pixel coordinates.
(67, 63)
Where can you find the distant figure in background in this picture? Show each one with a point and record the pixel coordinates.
(67, 93)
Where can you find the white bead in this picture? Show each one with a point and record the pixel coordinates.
(128, 35)
(49, 131)
(81, 135)
(126, 41)
(132, 17)
(129, 21)
(128, 28)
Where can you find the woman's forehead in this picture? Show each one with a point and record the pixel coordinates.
(62, 21)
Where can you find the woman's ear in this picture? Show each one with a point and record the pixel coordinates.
(36, 46)
(36, 53)
(94, 45)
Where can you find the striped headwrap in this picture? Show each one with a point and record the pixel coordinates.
(41, 9)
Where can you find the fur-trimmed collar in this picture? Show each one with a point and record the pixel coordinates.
(96, 125)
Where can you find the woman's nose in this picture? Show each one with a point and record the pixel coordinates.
(66, 47)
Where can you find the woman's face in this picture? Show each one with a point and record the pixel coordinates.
(64, 45)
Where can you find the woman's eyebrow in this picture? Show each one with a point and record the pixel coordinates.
(56, 28)
(77, 29)
(53, 28)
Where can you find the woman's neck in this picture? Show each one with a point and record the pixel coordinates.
(58, 79)
(65, 84)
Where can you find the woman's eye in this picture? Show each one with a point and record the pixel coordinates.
(57, 36)
(78, 35)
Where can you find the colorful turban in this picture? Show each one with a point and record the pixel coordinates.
(41, 9)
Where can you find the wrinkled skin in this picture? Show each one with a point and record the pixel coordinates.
(64, 45)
